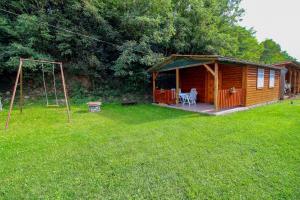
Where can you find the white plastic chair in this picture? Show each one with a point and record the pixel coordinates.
(190, 98)
(186, 99)
(180, 96)
(193, 96)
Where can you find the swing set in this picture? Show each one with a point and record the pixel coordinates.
(54, 86)
(19, 81)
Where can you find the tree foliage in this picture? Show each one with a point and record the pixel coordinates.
(272, 53)
(113, 42)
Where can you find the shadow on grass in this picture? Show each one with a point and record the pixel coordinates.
(82, 111)
(144, 113)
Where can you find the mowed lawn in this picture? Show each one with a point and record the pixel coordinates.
(149, 152)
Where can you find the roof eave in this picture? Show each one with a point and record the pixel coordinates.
(291, 63)
(211, 58)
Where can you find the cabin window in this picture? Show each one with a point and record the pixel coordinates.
(272, 79)
(260, 78)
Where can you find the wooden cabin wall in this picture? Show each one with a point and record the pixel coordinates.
(193, 78)
(199, 78)
(230, 76)
(266, 94)
(298, 82)
(209, 88)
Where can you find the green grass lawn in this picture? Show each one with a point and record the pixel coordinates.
(149, 152)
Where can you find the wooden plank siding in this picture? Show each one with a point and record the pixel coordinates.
(209, 88)
(230, 100)
(165, 96)
(241, 77)
(193, 78)
(265, 94)
(229, 76)
(232, 76)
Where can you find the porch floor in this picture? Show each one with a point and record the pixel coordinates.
(203, 108)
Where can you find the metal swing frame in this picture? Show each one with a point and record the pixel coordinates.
(19, 81)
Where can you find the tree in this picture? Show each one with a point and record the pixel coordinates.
(272, 53)
(113, 42)
(248, 46)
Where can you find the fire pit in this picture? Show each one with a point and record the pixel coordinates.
(94, 106)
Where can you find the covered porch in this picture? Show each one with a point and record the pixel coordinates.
(290, 79)
(204, 108)
(220, 86)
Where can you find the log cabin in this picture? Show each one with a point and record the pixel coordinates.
(222, 82)
(290, 85)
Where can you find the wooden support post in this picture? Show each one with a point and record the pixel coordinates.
(245, 84)
(13, 95)
(296, 87)
(65, 91)
(154, 76)
(290, 80)
(298, 79)
(21, 91)
(216, 87)
(209, 69)
(177, 85)
(295, 82)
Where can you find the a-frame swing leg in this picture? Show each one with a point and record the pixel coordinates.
(21, 90)
(65, 91)
(14, 94)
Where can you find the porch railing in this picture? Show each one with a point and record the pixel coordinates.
(165, 96)
(230, 99)
(227, 98)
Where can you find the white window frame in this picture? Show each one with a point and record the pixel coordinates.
(260, 78)
(272, 79)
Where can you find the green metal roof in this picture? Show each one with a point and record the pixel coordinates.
(180, 63)
(184, 61)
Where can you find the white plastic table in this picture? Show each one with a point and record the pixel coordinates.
(185, 97)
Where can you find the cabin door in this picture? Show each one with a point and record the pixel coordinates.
(209, 87)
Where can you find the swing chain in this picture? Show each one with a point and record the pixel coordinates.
(54, 85)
